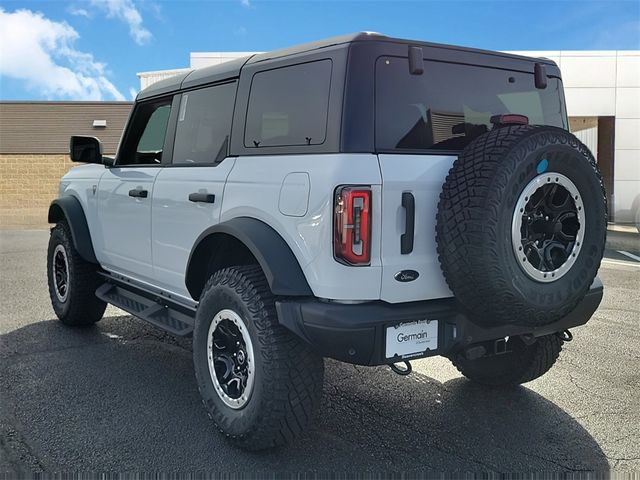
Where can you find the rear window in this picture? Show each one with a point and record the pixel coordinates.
(288, 106)
(449, 105)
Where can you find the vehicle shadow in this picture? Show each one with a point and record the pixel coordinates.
(122, 396)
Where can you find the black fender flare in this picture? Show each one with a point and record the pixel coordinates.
(279, 264)
(69, 208)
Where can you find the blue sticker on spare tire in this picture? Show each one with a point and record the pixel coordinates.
(542, 166)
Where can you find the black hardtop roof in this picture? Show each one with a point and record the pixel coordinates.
(378, 37)
(231, 69)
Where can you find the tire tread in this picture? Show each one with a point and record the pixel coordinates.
(294, 389)
(83, 308)
(467, 227)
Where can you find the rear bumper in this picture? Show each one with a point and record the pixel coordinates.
(356, 333)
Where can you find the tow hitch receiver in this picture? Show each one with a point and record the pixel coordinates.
(500, 346)
(496, 347)
(488, 348)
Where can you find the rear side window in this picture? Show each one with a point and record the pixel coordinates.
(204, 123)
(288, 106)
(449, 105)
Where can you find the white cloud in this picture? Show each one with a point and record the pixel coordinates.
(127, 12)
(245, 3)
(78, 12)
(41, 52)
(133, 93)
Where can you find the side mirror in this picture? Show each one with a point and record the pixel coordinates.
(85, 149)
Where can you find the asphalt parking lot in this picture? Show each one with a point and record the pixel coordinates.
(122, 397)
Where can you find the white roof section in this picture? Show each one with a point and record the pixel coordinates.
(196, 60)
(149, 78)
(206, 59)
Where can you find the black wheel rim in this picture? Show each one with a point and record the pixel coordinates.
(230, 355)
(548, 227)
(60, 273)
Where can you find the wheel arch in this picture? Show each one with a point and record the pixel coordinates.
(241, 241)
(69, 208)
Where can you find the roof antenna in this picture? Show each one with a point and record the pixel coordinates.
(540, 76)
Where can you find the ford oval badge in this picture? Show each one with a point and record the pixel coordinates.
(406, 276)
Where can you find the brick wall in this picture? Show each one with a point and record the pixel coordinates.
(28, 184)
(34, 146)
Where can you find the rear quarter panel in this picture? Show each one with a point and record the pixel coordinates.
(254, 188)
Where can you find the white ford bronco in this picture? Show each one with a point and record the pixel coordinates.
(363, 198)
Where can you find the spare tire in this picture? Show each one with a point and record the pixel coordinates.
(521, 225)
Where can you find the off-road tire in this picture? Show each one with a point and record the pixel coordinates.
(522, 364)
(287, 387)
(81, 307)
(474, 225)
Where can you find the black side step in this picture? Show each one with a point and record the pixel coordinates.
(146, 308)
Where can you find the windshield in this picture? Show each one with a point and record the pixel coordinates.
(449, 105)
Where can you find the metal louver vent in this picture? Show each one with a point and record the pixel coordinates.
(442, 124)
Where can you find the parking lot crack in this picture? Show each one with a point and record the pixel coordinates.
(617, 460)
(597, 414)
(554, 462)
(357, 414)
(17, 451)
(347, 400)
(586, 390)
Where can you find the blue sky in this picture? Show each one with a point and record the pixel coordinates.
(92, 49)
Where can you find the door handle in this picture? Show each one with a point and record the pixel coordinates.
(202, 197)
(406, 239)
(138, 192)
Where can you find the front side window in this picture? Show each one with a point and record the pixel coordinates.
(144, 142)
(449, 105)
(204, 124)
(289, 106)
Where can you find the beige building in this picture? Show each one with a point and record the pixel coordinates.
(34, 151)
(602, 90)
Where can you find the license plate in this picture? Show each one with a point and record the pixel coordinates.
(412, 338)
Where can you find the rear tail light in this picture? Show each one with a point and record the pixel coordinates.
(352, 227)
